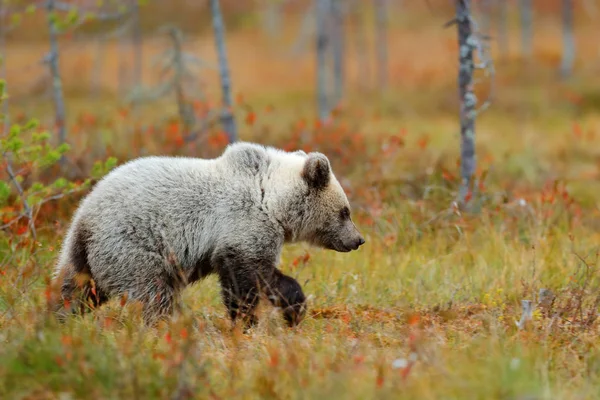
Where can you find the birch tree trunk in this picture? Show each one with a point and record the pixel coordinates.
(568, 58)
(57, 88)
(467, 97)
(227, 118)
(186, 115)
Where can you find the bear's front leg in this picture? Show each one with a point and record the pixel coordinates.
(286, 292)
(240, 295)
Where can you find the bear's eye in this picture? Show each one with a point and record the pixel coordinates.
(345, 213)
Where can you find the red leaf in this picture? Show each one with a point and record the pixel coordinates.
(251, 118)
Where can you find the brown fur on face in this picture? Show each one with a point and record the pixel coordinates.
(328, 222)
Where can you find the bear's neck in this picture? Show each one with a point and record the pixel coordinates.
(282, 202)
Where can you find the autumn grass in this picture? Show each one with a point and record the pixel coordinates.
(426, 309)
(450, 298)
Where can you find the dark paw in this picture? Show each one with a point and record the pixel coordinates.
(293, 315)
(289, 296)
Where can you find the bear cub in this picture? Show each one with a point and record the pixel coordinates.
(154, 225)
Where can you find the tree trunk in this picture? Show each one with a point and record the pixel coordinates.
(227, 118)
(57, 88)
(566, 66)
(381, 11)
(186, 115)
(467, 98)
(322, 9)
(526, 28)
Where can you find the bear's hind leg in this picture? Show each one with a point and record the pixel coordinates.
(160, 297)
(78, 294)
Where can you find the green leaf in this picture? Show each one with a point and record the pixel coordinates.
(32, 124)
(72, 16)
(33, 199)
(110, 163)
(52, 18)
(16, 18)
(97, 170)
(37, 186)
(63, 148)
(4, 191)
(15, 129)
(41, 137)
(60, 183)
(14, 144)
(51, 158)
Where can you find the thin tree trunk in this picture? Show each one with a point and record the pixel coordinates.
(339, 49)
(502, 27)
(272, 18)
(6, 155)
(227, 117)
(57, 88)
(322, 9)
(185, 114)
(467, 98)
(526, 28)
(566, 67)
(305, 31)
(381, 11)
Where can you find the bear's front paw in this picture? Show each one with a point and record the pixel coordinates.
(294, 314)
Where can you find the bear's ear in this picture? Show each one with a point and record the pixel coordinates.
(316, 170)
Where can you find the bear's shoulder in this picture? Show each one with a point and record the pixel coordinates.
(247, 157)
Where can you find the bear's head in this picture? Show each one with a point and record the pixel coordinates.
(326, 220)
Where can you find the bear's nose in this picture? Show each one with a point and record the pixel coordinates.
(361, 241)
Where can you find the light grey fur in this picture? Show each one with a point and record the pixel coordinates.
(156, 224)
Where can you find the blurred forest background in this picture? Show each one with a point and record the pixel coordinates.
(478, 194)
